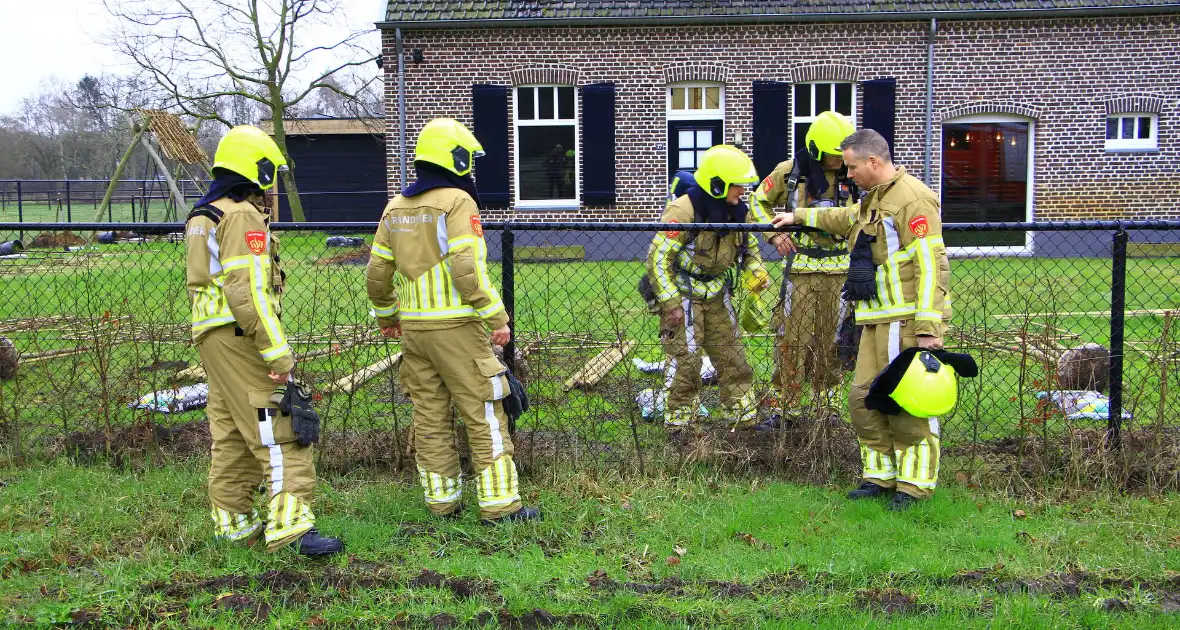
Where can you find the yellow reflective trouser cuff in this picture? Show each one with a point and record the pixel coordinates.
(497, 484)
(439, 489)
(877, 465)
(230, 526)
(682, 415)
(745, 411)
(290, 517)
(917, 465)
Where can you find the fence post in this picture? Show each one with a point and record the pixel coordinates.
(20, 208)
(507, 293)
(1118, 305)
(69, 208)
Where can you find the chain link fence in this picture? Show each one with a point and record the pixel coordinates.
(1073, 326)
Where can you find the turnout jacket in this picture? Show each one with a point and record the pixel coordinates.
(828, 253)
(912, 270)
(234, 277)
(698, 269)
(428, 267)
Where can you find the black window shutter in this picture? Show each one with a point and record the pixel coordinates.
(771, 115)
(598, 144)
(489, 108)
(879, 97)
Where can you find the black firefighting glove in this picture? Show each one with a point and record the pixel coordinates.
(517, 400)
(296, 402)
(862, 273)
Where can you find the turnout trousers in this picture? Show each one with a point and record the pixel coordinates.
(456, 366)
(710, 326)
(805, 327)
(899, 451)
(253, 445)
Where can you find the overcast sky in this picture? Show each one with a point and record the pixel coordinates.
(40, 39)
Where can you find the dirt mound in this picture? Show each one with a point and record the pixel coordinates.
(56, 239)
(9, 359)
(190, 438)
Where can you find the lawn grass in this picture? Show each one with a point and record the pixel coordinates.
(134, 549)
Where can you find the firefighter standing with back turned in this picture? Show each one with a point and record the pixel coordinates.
(428, 282)
(259, 432)
(899, 277)
(691, 278)
(811, 311)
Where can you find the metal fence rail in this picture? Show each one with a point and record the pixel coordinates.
(97, 326)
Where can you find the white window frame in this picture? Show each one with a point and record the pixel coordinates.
(517, 123)
(814, 114)
(1029, 210)
(1120, 144)
(695, 114)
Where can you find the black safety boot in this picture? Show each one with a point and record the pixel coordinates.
(523, 514)
(901, 502)
(313, 544)
(868, 490)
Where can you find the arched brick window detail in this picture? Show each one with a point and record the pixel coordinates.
(544, 75)
(695, 72)
(989, 107)
(1134, 104)
(834, 72)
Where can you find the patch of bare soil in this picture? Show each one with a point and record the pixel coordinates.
(55, 240)
(355, 256)
(888, 600)
(182, 440)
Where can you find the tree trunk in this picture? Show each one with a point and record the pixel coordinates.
(280, 136)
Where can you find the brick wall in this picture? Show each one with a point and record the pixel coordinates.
(1065, 72)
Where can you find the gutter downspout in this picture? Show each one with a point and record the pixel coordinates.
(401, 108)
(930, 99)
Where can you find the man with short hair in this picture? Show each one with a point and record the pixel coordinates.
(899, 277)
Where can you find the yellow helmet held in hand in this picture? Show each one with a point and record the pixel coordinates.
(723, 166)
(928, 388)
(449, 144)
(249, 152)
(826, 133)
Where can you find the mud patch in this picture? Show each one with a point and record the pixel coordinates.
(183, 440)
(356, 256)
(461, 587)
(535, 618)
(56, 239)
(889, 601)
(243, 604)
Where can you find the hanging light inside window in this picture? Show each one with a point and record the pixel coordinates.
(1013, 141)
(999, 136)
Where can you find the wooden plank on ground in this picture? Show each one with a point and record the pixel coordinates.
(352, 382)
(599, 366)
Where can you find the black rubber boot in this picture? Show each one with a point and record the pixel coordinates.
(523, 514)
(868, 490)
(313, 544)
(901, 502)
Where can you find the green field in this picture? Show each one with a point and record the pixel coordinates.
(131, 308)
(133, 550)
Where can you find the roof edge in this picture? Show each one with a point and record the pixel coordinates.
(772, 18)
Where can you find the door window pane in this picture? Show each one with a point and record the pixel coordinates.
(545, 101)
(823, 97)
(545, 161)
(565, 103)
(686, 139)
(844, 98)
(687, 159)
(713, 98)
(704, 138)
(1144, 127)
(525, 107)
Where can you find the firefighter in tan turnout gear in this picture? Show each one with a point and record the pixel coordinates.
(261, 420)
(810, 310)
(691, 278)
(428, 282)
(899, 278)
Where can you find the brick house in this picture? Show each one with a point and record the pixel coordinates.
(1012, 110)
